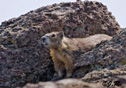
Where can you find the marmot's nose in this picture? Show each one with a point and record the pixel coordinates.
(43, 38)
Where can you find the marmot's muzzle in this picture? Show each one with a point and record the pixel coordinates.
(45, 41)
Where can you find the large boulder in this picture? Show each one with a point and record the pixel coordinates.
(23, 59)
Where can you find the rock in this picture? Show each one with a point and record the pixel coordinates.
(66, 83)
(23, 59)
(115, 78)
(96, 76)
(119, 82)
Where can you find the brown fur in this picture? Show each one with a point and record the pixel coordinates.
(62, 48)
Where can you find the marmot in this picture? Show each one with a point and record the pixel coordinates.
(62, 48)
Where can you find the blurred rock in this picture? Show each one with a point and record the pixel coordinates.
(23, 59)
(115, 78)
(96, 76)
(118, 82)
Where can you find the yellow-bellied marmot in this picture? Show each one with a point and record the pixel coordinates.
(62, 48)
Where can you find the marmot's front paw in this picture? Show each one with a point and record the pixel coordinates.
(56, 78)
(68, 76)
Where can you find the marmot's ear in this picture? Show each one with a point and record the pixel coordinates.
(61, 34)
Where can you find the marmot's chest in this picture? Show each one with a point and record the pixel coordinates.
(59, 56)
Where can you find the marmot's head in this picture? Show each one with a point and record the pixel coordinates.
(53, 39)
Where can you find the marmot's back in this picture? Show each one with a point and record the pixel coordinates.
(95, 39)
(85, 44)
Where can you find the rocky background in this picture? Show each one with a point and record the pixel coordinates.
(23, 59)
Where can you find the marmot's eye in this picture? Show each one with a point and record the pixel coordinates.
(53, 35)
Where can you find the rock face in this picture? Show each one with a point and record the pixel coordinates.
(105, 74)
(23, 59)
